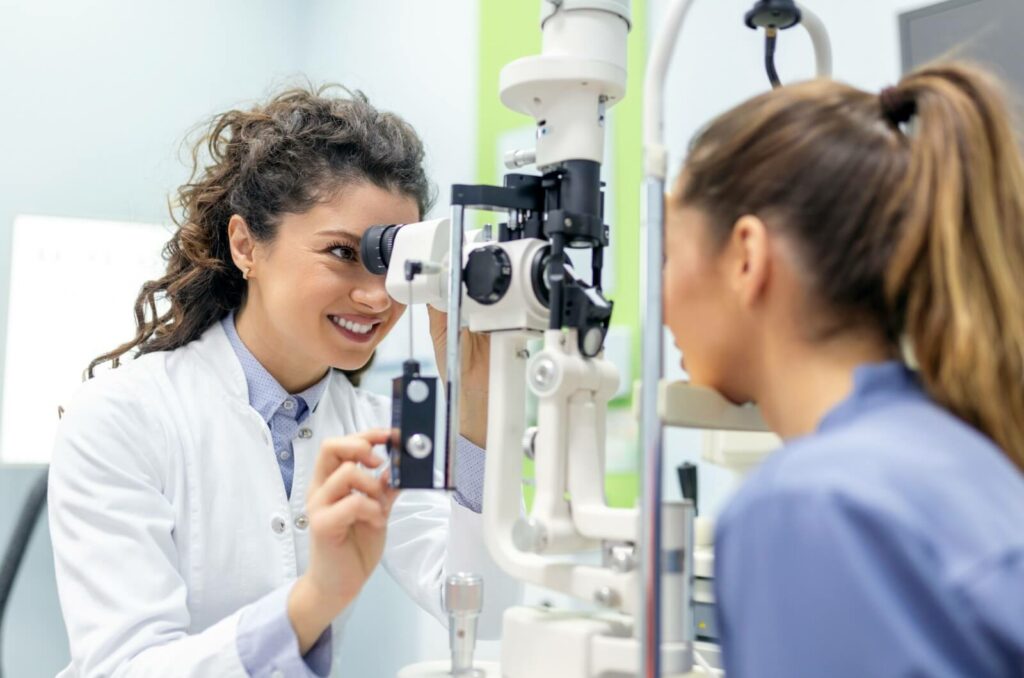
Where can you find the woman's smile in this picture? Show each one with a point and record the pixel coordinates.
(360, 329)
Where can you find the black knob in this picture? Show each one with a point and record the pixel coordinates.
(488, 274)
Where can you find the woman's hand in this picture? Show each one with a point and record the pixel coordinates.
(348, 513)
(476, 370)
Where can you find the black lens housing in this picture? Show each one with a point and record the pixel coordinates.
(376, 246)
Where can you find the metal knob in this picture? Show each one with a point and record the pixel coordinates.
(419, 446)
(529, 442)
(463, 600)
(529, 535)
(520, 158)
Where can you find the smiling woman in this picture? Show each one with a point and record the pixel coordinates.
(345, 310)
(218, 503)
(296, 159)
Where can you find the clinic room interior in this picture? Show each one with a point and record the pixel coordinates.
(512, 339)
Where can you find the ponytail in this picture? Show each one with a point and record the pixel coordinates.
(956, 276)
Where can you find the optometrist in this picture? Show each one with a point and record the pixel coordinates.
(214, 508)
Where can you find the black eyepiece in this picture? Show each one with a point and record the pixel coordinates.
(376, 246)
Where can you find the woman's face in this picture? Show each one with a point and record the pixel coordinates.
(314, 301)
(701, 305)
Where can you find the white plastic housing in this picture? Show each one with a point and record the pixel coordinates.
(738, 451)
(427, 241)
(580, 73)
(519, 309)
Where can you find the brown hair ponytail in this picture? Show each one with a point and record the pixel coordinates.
(906, 210)
(957, 273)
(282, 156)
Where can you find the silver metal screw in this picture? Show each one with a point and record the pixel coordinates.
(529, 536)
(543, 373)
(606, 596)
(419, 446)
(529, 441)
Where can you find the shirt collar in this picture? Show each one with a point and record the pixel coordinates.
(266, 395)
(873, 384)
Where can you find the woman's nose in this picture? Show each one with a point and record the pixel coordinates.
(370, 293)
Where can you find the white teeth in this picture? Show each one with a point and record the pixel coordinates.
(351, 326)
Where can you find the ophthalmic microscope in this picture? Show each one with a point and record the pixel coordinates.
(518, 285)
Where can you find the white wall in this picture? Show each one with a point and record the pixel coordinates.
(98, 96)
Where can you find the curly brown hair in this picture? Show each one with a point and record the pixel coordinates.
(282, 156)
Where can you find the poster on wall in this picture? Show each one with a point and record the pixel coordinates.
(73, 288)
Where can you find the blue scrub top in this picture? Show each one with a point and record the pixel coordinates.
(890, 542)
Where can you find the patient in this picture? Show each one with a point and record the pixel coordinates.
(814, 232)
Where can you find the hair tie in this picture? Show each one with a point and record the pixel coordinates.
(897, 105)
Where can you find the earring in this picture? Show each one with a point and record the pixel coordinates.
(245, 274)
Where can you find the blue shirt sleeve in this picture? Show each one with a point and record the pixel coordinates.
(809, 584)
(469, 475)
(268, 646)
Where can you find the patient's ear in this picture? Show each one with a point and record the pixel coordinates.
(747, 259)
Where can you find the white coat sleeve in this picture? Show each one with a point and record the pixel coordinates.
(121, 593)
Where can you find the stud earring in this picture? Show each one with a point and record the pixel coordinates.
(245, 274)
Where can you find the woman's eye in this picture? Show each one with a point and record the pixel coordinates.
(344, 252)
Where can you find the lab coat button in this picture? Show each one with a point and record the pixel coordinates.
(277, 524)
(284, 455)
(302, 521)
(289, 404)
(305, 433)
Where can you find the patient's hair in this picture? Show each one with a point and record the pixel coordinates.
(282, 156)
(906, 210)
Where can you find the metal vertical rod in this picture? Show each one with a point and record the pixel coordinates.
(412, 355)
(454, 347)
(652, 235)
(653, 220)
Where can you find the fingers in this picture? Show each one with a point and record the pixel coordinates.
(334, 521)
(357, 448)
(346, 478)
(388, 494)
(438, 321)
(389, 498)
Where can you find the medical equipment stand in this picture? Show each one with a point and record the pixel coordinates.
(644, 626)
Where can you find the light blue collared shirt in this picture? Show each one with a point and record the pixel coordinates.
(890, 542)
(265, 638)
(282, 411)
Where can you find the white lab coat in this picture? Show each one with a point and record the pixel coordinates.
(168, 515)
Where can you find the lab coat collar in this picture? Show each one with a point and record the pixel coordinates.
(267, 400)
(214, 349)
